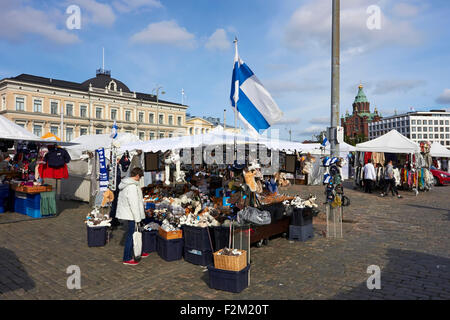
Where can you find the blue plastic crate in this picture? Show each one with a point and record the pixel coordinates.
(169, 250)
(34, 213)
(197, 238)
(301, 233)
(199, 257)
(149, 241)
(301, 216)
(231, 281)
(20, 205)
(96, 236)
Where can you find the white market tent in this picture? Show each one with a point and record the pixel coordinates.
(11, 131)
(391, 142)
(93, 142)
(217, 136)
(439, 151)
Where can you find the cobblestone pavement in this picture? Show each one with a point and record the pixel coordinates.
(407, 238)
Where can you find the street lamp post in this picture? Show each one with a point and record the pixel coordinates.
(157, 107)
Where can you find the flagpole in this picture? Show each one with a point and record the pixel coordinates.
(236, 58)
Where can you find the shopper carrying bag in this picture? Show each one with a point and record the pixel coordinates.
(130, 207)
(137, 242)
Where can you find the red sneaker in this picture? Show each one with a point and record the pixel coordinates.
(131, 262)
(144, 255)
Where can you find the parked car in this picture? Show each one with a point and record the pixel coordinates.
(440, 177)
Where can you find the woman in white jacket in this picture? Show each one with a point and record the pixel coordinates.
(130, 207)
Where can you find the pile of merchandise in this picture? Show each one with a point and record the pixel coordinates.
(97, 219)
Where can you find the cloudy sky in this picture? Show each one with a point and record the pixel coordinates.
(188, 44)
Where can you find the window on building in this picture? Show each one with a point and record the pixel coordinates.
(83, 111)
(37, 130)
(191, 131)
(419, 129)
(69, 134)
(442, 136)
(419, 136)
(419, 121)
(441, 129)
(446, 122)
(413, 135)
(161, 119)
(37, 105)
(170, 135)
(436, 122)
(441, 122)
(442, 142)
(20, 124)
(161, 135)
(151, 117)
(54, 107)
(20, 104)
(141, 117)
(141, 135)
(83, 131)
(413, 129)
(171, 120)
(429, 122)
(54, 130)
(413, 121)
(447, 129)
(179, 119)
(69, 110)
(98, 113)
(3, 102)
(113, 114)
(425, 129)
(196, 130)
(127, 115)
(447, 136)
(436, 136)
(447, 143)
(436, 129)
(430, 129)
(98, 131)
(425, 136)
(152, 135)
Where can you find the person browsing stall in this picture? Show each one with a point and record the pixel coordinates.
(390, 181)
(130, 207)
(369, 176)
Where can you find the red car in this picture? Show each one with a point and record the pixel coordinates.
(440, 177)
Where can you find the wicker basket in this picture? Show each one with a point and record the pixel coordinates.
(230, 263)
(33, 189)
(170, 235)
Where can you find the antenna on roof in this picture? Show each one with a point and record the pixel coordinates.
(103, 61)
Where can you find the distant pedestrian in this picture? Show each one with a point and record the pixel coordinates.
(369, 176)
(390, 181)
(130, 207)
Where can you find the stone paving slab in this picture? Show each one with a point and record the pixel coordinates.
(407, 238)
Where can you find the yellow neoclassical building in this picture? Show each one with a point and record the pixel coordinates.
(196, 125)
(41, 104)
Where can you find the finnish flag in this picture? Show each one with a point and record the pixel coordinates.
(114, 130)
(254, 104)
(325, 141)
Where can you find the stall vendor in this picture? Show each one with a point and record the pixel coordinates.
(5, 163)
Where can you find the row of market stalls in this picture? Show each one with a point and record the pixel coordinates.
(30, 169)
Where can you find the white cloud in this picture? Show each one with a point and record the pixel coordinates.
(311, 130)
(405, 10)
(310, 28)
(320, 120)
(17, 20)
(125, 6)
(165, 32)
(389, 86)
(218, 40)
(285, 120)
(93, 12)
(444, 98)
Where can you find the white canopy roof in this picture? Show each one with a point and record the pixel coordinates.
(12, 131)
(94, 142)
(438, 150)
(391, 142)
(217, 136)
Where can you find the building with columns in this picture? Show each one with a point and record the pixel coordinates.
(91, 107)
(196, 125)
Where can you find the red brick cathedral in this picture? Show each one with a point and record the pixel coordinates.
(356, 128)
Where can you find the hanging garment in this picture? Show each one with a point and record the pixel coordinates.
(56, 158)
(378, 157)
(48, 203)
(397, 177)
(53, 173)
(367, 156)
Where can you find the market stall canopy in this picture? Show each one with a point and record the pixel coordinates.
(11, 131)
(344, 149)
(50, 137)
(391, 142)
(93, 142)
(439, 151)
(217, 136)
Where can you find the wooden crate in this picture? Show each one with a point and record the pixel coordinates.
(230, 263)
(170, 235)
